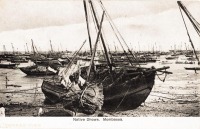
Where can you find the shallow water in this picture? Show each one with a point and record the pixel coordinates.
(179, 88)
(25, 93)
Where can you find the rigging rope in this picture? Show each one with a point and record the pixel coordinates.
(194, 22)
(190, 40)
(122, 99)
(115, 28)
(143, 80)
(163, 78)
(191, 18)
(121, 45)
(95, 25)
(118, 38)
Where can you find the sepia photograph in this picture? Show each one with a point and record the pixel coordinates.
(99, 60)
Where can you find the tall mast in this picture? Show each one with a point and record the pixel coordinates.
(138, 47)
(27, 48)
(51, 46)
(13, 48)
(181, 6)
(88, 29)
(186, 47)
(153, 48)
(24, 48)
(4, 49)
(33, 47)
(61, 47)
(115, 47)
(36, 49)
(102, 40)
(95, 47)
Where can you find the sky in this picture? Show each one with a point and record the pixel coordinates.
(143, 24)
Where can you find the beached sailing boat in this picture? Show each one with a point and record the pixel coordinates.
(196, 26)
(107, 86)
(39, 70)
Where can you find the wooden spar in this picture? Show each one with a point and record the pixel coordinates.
(104, 46)
(33, 47)
(95, 47)
(86, 18)
(184, 9)
(93, 54)
(153, 70)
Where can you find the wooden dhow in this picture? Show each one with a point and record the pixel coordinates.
(100, 86)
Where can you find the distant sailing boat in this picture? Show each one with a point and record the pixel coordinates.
(38, 70)
(196, 26)
(113, 87)
(5, 60)
(17, 58)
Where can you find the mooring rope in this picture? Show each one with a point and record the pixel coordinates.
(172, 94)
(179, 100)
(162, 74)
(122, 99)
(18, 91)
(126, 94)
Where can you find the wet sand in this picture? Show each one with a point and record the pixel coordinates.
(177, 96)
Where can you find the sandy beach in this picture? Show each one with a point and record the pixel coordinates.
(177, 96)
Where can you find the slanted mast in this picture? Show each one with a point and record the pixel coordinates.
(88, 30)
(27, 48)
(101, 36)
(119, 36)
(34, 52)
(13, 48)
(95, 46)
(51, 47)
(195, 24)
